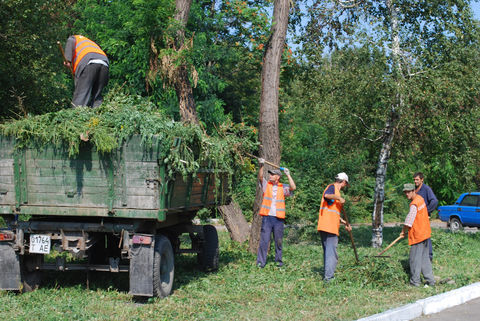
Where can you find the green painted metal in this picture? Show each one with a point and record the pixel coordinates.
(205, 188)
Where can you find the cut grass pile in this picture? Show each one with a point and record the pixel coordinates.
(185, 147)
(242, 291)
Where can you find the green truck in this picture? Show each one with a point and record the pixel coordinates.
(115, 212)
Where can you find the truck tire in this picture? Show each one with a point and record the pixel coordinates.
(455, 225)
(208, 257)
(31, 277)
(163, 267)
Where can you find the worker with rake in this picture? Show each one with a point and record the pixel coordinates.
(272, 211)
(329, 223)
(417, 225)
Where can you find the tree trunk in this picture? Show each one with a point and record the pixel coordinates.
(268, 125)
(389, 133)
(183, 88)
(235, 222)
(186, 102)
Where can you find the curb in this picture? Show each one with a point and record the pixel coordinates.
(429, 305)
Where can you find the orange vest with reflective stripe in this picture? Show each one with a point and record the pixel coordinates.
(268, 198)
(84, 46)
(420, 230)
(329, 215)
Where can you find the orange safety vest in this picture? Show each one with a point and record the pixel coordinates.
(420, 230)
(329, 215)
(268, 198)
(84, 46)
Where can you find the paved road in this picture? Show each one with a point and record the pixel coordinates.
(464, 312)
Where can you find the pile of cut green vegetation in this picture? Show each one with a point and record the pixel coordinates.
(186, 147)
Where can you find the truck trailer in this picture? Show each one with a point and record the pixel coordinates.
(112, 212)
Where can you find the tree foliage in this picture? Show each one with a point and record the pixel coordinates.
(31, 77)
(185, 148)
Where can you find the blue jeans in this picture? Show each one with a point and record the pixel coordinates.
(270, 224)
(330, 257)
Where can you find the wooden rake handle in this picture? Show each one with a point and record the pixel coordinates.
(351, 236)
(266, 162)
(390, 245)
(63, 56)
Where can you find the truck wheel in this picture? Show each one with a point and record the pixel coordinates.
(163, 267)
(208, 258)
(455, 225)
(31, 277)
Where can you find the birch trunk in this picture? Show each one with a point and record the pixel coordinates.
(389, 132)
(268, 128)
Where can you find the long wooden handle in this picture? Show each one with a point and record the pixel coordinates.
(63, 56)
(266, 162)
(391, 244)
(351, 236)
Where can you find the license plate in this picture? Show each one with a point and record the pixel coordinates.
(39, 244)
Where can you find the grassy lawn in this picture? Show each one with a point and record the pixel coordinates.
(241, 291)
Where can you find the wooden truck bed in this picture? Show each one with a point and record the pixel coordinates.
(129, 183)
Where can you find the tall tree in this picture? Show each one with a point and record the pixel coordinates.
(420, 37)
(396, 107)
(31, 78)
(268, 119)
(180, 77)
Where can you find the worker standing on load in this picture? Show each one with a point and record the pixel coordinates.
(273, 211)
(329, 223)
(417, 225)
(89, 65)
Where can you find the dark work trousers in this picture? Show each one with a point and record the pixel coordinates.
(269, 224)
(330, 257)
(89, 85)
(420, 263)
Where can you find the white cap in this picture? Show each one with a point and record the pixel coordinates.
(342, 176)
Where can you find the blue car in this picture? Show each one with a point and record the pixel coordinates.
(465, 212)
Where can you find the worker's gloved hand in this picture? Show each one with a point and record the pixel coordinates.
(261, 161)
(286, 171)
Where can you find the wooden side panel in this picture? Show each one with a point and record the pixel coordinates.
(56, 180)
(127, 183)
(7, 183)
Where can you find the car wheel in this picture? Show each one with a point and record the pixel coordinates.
(455, 225)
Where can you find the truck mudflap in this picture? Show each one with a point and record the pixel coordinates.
(141, 265)
(10, 278)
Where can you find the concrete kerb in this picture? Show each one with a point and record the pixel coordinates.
(429, 305)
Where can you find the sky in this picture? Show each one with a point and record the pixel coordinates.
(476, 9)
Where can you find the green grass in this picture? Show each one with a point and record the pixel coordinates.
(241, 291)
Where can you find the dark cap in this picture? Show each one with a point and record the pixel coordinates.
(275, 172)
